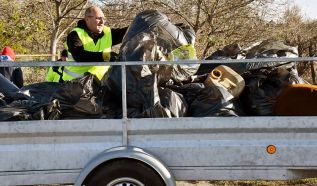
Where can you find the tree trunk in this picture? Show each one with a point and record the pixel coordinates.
(53, 46)
(313, 72)
(312, 66)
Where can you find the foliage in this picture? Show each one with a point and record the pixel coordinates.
(40, 26)
(22, 30)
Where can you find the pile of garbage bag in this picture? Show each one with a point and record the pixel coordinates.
(161, 90)
(264, 81)
(80, 98)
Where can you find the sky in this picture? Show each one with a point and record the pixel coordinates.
(308, 7)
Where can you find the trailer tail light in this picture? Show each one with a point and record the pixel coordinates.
(271, 149)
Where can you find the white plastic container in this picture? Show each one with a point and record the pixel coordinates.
(224, 76)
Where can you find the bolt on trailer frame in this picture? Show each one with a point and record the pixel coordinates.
(211, 148)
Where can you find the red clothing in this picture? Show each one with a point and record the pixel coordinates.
(9, 52)
(14, 74)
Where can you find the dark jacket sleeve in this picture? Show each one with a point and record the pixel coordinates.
(17, 77)
(118, 34)
(76, 48)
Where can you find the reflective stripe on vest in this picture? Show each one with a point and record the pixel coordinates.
(75, 75)
(103, 45)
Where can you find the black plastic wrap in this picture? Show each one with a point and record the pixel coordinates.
(150, 37)
(213, 101)
(80, 98)
(156, 23)
(174, 102)
(228, 52)
(30, 110)
(76, 99)
(263, 86)
(264, 49)
(7, 88)
(189, 91)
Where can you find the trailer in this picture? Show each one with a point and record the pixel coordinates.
(156, 151)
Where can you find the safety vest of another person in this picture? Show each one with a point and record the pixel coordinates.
(103, 45)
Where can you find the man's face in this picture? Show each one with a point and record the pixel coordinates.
(64, 58)
(95, 21)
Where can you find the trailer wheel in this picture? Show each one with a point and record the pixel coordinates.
(124, 172)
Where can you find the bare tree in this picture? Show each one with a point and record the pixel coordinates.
(219, 22)
(62, 15)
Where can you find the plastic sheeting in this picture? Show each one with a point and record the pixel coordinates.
(263, 86)
(264, 49)
(30, 110)
(79, 98)
(7, 88)
(152, 37)
(213, 101)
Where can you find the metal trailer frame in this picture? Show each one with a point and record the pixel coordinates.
(211, 148)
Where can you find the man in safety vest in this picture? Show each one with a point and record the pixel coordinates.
(55, 73)
(91, 41)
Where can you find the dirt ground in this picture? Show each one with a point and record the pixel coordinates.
(303, 182)
(306, 182)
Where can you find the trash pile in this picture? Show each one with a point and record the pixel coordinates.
(160, 91)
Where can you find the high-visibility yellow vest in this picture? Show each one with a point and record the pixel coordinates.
(103, 45)
(52, 76)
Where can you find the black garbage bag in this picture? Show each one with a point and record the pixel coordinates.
(68, 94)
(142, 93)
(2, 100)
(156, 111)
(9, 90)
(228, 52)
(146, 100)
(157, 24)
(175, 74)
(189, 91)
(173, 102)
(111, 108)
(41, 92)
(141, 90)
(143, 96)
(150, 37)
(213, 101)
(263, 86)
(270, 49)
(81, 98)
(21, 104)
(264, 49)
(30, 110)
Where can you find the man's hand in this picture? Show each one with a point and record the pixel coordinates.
(109, 56)
(106, 56)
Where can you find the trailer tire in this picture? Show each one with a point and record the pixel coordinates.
(124, 172)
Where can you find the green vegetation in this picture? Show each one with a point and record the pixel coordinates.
(40, 27)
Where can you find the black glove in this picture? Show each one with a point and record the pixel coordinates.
(113, 56)
(56, 70)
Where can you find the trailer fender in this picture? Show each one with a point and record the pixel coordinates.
(133, 153)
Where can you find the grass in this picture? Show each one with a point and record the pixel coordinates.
(34, 74)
